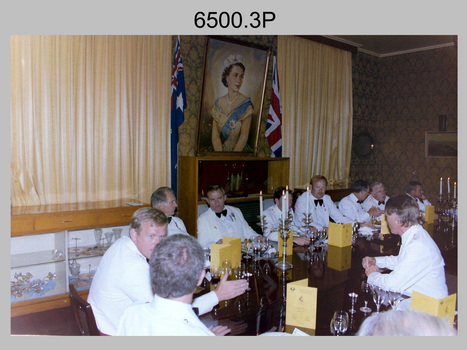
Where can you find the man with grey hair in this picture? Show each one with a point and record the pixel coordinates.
(405, 323)
(375, 203)
(419, 265)
(176, 269)
(164, 199)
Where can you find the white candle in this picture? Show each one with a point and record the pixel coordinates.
(307, 199)
(441, 186)
(287, 200)
(261, 207)
(455, 189)
(449, 185)
(283, 206)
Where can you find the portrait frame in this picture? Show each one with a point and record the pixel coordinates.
(440, 144)
(218, 53)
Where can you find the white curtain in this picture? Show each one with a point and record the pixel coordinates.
(90, 118)
(316, 93)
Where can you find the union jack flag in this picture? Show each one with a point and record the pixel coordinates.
(274, 123)
(178, 100)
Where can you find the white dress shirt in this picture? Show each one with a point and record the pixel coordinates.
(211, 228)
(319, 213)
(419, 266)
(370, 202)
(421, 203)
(161, 317)
(122, 278)
(272, 217)
(353, 210)
(176, 226)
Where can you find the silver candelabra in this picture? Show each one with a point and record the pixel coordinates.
(284, 227)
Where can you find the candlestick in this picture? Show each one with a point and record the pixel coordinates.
(307, 199)
(261, 207)
(287, 201)
(283, 205)
(441, 186)
(449, 185)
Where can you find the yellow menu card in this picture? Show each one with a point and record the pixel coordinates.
(444, 308)
(301, 304)
(280, 244)
(429, 214)
(429, 227)
(340, 235)
(339, 258)
(235, 249)
(220, 253)
(384, 225)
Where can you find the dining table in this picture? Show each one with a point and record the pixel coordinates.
(334, 271)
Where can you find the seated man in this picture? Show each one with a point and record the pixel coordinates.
(374, 204)
(419, 265)
(122, 277)
(272, 216)
(164, 199)
(320, 206)
(415, 190)
(351, 205)
(221, 220)
(176, 269)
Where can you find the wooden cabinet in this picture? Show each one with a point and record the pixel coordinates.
(45, 239)
(242, 178)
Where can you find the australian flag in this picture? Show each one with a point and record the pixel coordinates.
(274, 123)
(178, 100)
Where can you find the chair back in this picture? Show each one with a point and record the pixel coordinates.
(82, 307)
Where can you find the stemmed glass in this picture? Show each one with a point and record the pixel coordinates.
(353, 299)
(395, 297)
(117, 233)
(98, 235)
(378, 296)
(248, 245)
(257, 245)
(339, 322)
(226, 268)
(366, 289)
(215, 275)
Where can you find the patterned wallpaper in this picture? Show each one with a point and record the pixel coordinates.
(396, 99)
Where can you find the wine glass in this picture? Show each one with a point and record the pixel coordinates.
(256, 244)
(248, 245)
(366, 289)
(353, 299)
(378, 296)
(98, 235)
(395, 297)
(339, 322)
(215, 275)
(117, 233)
(108, 238)
(226, 268)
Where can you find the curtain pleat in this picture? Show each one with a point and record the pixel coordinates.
(89, 118)
(316, 93)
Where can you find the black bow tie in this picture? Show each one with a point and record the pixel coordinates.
(223, 212)
(379, 203)
(318, 202)
(169, 219)
(359, 202)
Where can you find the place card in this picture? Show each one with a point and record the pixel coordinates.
(430, 228)
(384, 225)
(235, 249)
(301, 304)
(340, 235)
(280, 244)
(220, 253)
(339, 258)
(429, 214)
(444, 308)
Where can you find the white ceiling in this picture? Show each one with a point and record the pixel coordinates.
(389, 45)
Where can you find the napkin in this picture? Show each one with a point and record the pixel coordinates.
(365, 231)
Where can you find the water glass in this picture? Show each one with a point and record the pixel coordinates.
(339, 322)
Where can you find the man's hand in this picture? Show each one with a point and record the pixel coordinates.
(374, 211)
(299, 240)
(370, 269)
(368, 261)
(219, 330)
(230, 289)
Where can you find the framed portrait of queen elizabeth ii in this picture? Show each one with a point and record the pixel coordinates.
(232, 97)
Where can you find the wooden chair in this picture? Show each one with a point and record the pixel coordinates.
(79, 305)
